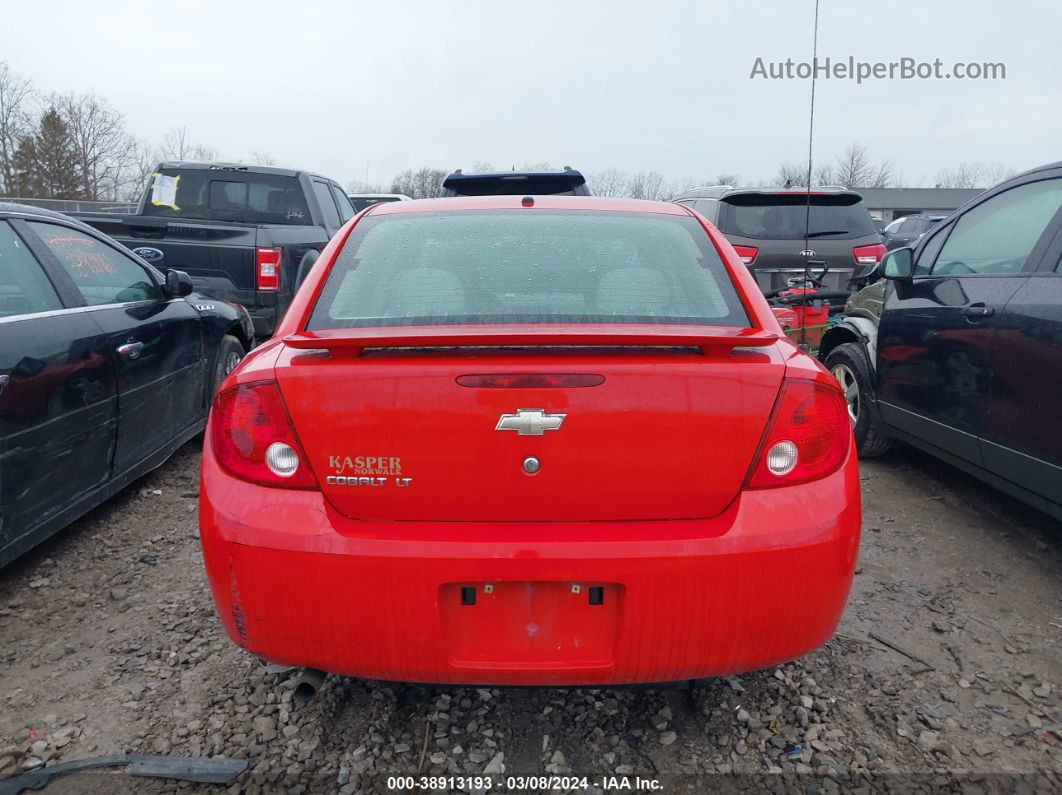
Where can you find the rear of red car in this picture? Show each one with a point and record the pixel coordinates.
(529, 441)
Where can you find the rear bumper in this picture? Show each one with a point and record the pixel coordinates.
(299, 584)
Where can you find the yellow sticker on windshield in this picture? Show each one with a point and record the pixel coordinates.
(164, 191)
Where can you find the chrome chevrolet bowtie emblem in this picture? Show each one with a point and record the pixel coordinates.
(530, 422)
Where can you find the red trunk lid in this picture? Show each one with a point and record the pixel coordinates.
(667, 434)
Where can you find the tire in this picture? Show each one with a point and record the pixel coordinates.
(230, 353)
(848, 364)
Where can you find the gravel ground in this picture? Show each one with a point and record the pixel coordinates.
(946, 669)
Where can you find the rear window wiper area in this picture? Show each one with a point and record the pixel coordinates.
(830, 232)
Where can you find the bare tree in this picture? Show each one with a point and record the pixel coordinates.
(609, 183)
(263, 159)
(793, 175)
(994, 173)
(974, 175)
(360, 186)
(481, 167)
(853, 167)
(424, 183)
(15, 95)
(648, 185)
(965, 175)
(145, 158)
(541, 165)
(683, 185)
(822, 174)
(104, 153)
(727, 179)
(176, 145)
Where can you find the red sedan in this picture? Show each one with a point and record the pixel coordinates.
(543, 440)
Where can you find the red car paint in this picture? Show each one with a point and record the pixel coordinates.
(652, 546)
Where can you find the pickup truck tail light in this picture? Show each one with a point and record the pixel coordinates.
(747, 253)
(868, 255)
(253, 438)
(267, 268)
(807, 437)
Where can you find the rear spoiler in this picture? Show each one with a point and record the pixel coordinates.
(708, 338)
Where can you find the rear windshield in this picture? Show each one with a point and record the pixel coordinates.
(527, 267)
(223, 195)
(781, 217)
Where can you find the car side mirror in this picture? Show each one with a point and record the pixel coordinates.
(178, 284)
(898, 264)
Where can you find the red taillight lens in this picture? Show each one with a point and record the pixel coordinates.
(747, 253)
(868, 255)
(267, 268)
(253, 439)
(808, 436)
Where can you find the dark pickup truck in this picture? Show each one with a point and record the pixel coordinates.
(245, 234)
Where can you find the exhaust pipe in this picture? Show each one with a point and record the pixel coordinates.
(308, 682)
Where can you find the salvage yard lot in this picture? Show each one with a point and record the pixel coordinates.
(948, 659)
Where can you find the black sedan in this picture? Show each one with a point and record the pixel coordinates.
(107, 366)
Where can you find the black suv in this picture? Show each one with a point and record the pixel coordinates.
(959, 350)
(905, 231)
(568, 182)
(767, 225)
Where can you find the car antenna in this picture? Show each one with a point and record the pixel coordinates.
(807, 211)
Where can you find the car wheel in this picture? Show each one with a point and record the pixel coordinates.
(848, 364)
(230, 353)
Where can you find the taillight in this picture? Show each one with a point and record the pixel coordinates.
(253, 438)
(807, 438)
(747, 253)
(267, 268)
(868, 255)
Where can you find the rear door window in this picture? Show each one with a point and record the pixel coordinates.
(327, 202)
(24, 287)
(346, 210)
(222, 194)
(509, 267)
(772, 216)
(103, 275)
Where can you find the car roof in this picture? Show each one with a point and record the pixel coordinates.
(8, 209)
(243, 168)
(723, 191)
(515, 202)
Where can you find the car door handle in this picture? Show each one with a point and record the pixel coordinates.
(130, 350)
(976, 311)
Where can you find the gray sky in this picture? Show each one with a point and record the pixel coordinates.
(630, 85)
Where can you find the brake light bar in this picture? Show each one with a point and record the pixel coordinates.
(530, 380)
(267, 268)
(747, 253)
(868, 255)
